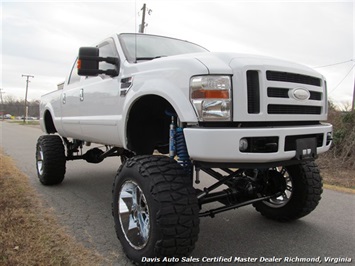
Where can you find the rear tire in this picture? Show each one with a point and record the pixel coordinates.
(301, 197)
(155, 209)
(50, 160)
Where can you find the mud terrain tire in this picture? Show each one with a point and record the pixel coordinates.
(50, 159)
(305, 193)
(155, 209)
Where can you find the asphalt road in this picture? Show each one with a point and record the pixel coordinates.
(83, 204)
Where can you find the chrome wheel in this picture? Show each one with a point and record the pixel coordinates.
(284, 198)
(40, 161)
(134, 215)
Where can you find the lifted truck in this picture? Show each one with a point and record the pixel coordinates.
(251, 122)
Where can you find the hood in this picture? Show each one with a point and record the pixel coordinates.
(224, 63)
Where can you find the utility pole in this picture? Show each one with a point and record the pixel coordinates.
(141, 28)
(2, 104)
(143, 25)
(26, 110)
(353, 106)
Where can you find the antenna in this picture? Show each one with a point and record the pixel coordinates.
(135, 34)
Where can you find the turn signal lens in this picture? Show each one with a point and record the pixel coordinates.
(210, 94)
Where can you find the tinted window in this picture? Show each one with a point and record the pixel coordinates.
(149, 46)
(107, 49)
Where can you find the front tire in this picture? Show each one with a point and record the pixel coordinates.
(301, 197)
(50, 160)
(155, 209)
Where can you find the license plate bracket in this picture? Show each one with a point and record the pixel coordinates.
(306, 148)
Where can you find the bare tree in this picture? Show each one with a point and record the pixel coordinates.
(14, 107)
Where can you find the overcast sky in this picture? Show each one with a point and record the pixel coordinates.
(42, 38)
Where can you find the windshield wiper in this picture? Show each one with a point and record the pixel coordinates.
(150, 58)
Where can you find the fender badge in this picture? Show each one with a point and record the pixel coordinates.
(126, 84)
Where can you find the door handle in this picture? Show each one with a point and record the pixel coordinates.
(81, 95)
(64, 100)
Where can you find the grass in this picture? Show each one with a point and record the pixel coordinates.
(340, 189)
(336, 174)
(29, 233)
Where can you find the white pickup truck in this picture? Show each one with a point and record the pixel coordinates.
(170, 109)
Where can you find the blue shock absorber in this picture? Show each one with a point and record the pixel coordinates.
(172, 150)
(181, 150)
(177, 144)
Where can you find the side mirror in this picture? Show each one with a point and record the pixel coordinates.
(88, 63)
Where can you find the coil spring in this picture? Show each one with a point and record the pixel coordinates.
(181, 150)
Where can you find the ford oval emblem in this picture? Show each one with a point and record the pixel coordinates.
(301, 94)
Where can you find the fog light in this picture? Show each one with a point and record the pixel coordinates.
(243, 145)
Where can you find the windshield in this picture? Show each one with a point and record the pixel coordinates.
(146, 47)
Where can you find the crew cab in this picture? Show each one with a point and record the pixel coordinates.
(171, 109)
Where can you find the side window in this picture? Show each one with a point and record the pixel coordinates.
(74, 77)
(107, 49)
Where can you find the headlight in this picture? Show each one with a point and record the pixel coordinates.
(211, 97)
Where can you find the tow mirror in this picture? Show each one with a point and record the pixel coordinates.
(88, 63)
